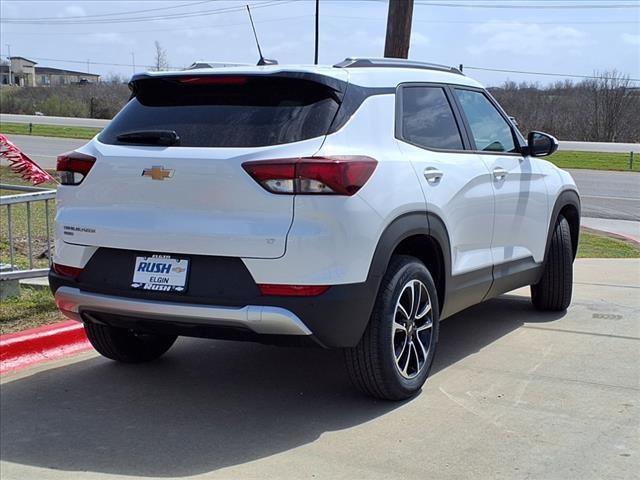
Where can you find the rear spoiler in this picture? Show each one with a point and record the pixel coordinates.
(337, 86)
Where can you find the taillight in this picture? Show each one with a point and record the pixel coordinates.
(336, 175)
(292, 290)
(72, 167)
(67, 271)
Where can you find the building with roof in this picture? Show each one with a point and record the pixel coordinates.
(24, 72)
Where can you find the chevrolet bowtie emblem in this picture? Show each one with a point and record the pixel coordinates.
(157, 172)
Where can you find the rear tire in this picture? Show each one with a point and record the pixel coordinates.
(395, 354)
(553, 292)
(127, 346)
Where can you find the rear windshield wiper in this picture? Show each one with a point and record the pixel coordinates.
(165, 138)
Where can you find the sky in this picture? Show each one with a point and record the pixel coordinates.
(577, 37)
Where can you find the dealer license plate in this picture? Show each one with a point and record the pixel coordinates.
(161, 273)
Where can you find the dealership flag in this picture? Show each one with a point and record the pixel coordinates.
(20, 163)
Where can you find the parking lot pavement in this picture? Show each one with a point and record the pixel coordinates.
(513, 394)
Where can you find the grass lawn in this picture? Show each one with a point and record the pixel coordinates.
(50, 130)
(597, 245)
(595, 160)
(35, 307)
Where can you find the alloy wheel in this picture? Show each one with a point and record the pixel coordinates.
(412, 329)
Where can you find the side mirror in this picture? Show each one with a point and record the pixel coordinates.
(541, 144)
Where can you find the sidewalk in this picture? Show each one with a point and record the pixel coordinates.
(625, 228)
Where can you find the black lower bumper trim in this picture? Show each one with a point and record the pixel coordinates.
(337, 318)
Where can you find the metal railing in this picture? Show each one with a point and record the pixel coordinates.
(19, 201)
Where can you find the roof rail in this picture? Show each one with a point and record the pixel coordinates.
(359, 62)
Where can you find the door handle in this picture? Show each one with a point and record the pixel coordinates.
(433, 175)
(499, 173)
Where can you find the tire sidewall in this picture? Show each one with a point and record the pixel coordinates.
(407, 269)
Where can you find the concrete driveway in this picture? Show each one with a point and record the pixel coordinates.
(513, 394)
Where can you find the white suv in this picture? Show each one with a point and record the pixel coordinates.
(352, 206)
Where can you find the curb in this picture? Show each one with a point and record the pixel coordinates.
(30, 347)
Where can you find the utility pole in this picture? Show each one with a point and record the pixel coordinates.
(88, 62)
(317, 30)
(133, 63)
(10, 75)
(398, 29)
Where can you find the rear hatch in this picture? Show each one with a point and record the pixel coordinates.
(149, 191)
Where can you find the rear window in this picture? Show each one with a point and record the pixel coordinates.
(224, 111)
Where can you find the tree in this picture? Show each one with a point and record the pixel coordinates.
(609, 94)
(600, 109)
(160, 60)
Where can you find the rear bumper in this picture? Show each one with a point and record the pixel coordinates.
(264, 320)
(222, 301)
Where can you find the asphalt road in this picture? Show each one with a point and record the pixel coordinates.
(599, 147)
(609, 194)
(44, 120)
(513, 394)
(44, 150)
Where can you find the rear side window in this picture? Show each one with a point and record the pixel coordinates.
(224, 111)
(427, 119)
(490, 130)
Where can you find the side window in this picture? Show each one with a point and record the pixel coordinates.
(490, 130)
(427, 119)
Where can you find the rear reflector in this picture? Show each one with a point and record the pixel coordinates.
(292, 290)
(73, 167)
(335, 175)
(67, 271)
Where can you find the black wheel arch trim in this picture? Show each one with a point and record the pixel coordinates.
(401, 228)
(566, 198)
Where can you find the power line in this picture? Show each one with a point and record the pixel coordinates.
(528, 1)
(565, 75)
(201, 27)
(484, 69)
(92, 63)
(199, 13)
(476, 22)
(530, 7)
(113, 13)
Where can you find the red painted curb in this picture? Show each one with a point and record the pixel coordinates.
(29, 347)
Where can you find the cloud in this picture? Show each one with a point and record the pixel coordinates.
(73, 11)
(419, 40)
(631, 38)
(527, 39)
(356, 43)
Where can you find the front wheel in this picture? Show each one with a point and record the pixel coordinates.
(125, 345)
(553, 291)
(395, 354)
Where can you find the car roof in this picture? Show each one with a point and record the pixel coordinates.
(369, 76)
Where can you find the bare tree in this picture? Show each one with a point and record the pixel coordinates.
(160, 60)
(605, 108)
(609, 95)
